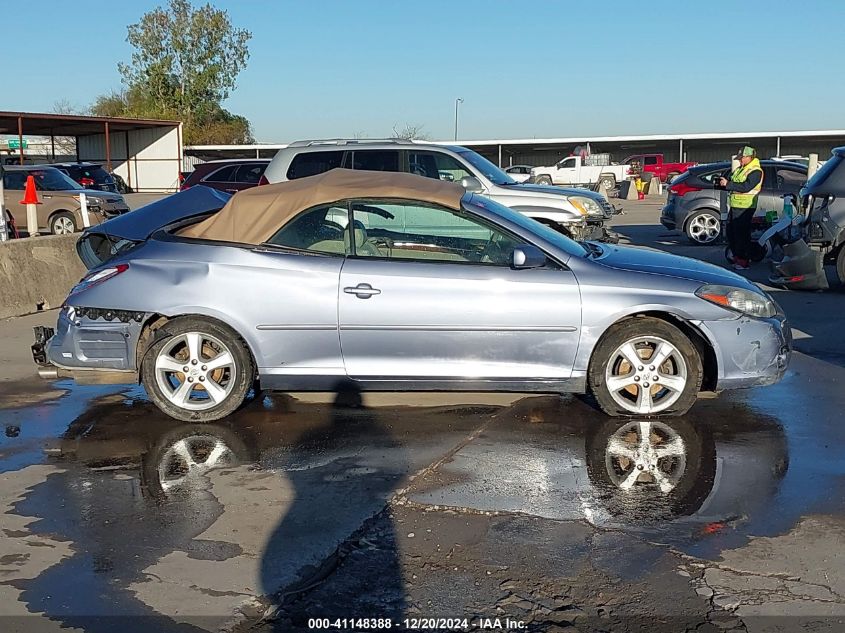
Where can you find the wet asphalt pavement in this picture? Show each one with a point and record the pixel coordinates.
(117, 518)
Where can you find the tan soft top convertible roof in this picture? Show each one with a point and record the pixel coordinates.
(254, 215)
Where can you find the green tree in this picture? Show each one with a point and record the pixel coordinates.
(185, 63)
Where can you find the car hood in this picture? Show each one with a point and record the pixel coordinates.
(659, 263)
(100, 243)
(550, 190)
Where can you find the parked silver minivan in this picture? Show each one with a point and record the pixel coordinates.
(578, 213)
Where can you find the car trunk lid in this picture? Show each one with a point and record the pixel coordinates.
(98, 244)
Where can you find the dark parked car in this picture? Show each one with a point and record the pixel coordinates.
(695, 207)
(227, 175)
(122, 187)
(89, 175)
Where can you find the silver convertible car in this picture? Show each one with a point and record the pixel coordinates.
(396, 282)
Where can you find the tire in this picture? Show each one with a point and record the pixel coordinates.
(181, 458)
(198, 344)
(609, 181)
(758, 253)
(544, 180)
(63, 223)
(633, 391)
(703, 227)
(674, 479)
(840, 264)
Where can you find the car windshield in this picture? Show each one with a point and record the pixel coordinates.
(52, 180)
(488, 169)
(564, 243)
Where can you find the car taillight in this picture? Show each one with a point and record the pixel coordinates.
(86, 182)
(682, 189)
(263, 180)
(99, 277)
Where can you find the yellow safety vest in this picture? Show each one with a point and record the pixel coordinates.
(745, 200)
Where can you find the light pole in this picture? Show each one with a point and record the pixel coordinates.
(457, 101)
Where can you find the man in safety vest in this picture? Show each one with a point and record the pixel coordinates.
(743, 190)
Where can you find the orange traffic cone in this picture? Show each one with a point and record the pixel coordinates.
(30, 196)
(30, 199)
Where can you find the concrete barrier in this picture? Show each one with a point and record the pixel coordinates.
(601, 189)
(37, 273)
(628, 190)
(654, 187)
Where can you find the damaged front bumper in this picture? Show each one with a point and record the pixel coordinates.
(801, 268)
(751, 352)
(98, 350)
(594, 232)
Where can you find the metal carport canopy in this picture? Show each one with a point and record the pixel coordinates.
(133, 144)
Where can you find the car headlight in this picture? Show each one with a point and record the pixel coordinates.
(739, 299)
(585, 205)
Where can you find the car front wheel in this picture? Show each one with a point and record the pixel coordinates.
(199, 371)
(645, 366)
(544, 180)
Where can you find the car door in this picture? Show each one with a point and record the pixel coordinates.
(248, 176)
(429, 294)
(13, 188)
(296, 318)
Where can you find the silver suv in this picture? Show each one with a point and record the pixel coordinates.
(578, 213)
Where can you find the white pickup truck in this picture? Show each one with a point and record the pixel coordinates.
(573, 170)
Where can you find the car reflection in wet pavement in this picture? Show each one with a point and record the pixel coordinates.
(141, 496)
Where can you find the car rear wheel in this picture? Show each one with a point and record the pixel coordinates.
(62, 223)
(645, 366)
(703, 227)
(840, 264)
(544, 180)
(199, 371)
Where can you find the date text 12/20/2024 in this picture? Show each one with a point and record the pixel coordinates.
(417, 624)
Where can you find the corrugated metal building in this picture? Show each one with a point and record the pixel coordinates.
(146, 153)
(702, 148)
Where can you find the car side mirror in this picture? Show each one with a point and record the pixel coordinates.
(472, 184)
(527, 256)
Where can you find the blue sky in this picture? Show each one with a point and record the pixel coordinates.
(524, 69)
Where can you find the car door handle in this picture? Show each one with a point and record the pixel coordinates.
(362, 291)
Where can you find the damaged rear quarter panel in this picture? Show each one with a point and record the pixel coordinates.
(264, 295)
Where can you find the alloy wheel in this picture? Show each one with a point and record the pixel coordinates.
(646, 453)
(646, 375)
(190, 458)
(62, 226)
(704, 228)
(195, 371)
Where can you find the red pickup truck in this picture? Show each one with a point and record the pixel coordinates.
(654, 164)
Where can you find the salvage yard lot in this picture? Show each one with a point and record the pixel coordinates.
(429, 505)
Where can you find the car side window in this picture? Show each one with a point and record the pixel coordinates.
(569, 163)
(250, 174)
(790, 180)
(14, 180)
(313, 163)
(649, 160)
(321, 230)
(416, 231)
(375, 160)
(224, 174)
(437, 165)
